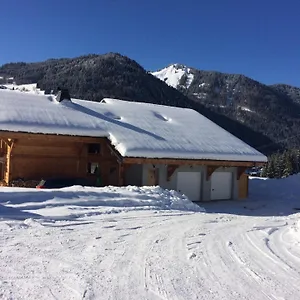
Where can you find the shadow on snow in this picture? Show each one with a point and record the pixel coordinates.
(267, 197)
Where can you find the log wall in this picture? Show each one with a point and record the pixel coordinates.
(33, 157)
(36, 156)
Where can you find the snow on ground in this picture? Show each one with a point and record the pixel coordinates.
(200, 95)
(246, 109)
(28, 88)
(77, 202)
(51, 249)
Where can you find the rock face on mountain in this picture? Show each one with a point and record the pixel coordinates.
(271, 110)
(253, 112)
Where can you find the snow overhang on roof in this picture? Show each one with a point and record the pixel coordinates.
(135, 129)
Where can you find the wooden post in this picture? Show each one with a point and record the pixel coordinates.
(243, 186)
(240, 172)
(8, 176)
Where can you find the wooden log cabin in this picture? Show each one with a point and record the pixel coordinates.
(36, 156)
(117, 142)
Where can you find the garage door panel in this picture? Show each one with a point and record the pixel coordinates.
(189, 184)
(221, 185)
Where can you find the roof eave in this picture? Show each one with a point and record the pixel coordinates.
(204, 162)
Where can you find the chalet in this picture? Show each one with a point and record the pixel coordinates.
(116, 142)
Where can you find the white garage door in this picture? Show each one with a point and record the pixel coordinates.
(221, 185)
(189, 184)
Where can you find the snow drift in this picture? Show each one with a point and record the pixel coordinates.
(75, 202)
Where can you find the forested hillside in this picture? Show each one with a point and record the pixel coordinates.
(271, 110)
(93, 77)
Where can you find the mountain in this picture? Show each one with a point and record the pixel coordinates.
(273, 111)
(93, 77)
(177, 76)
(292, 92)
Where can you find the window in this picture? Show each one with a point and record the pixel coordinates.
(94, 148)
(93, 168)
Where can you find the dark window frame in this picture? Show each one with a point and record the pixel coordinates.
(94, 148)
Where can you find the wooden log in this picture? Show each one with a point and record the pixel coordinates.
(243, 186)
(170, 171)
(166, 161)
(10, 145)
(210, 170)
(48, 137)
(240, 172)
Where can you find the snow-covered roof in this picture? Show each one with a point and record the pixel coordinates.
(135, 129)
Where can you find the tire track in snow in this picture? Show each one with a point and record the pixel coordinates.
(219, 266)
(228, 250)
(278, 276)
(148, 267)
(136, 264)
(155, 256)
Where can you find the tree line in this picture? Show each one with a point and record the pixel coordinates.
(282, 164)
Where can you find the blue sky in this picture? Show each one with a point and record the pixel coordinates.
(257, 38)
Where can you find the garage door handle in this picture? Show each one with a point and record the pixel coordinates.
(212, 189)
(179, 191)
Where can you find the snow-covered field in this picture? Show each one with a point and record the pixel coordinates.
(28, 88)
(147, 243)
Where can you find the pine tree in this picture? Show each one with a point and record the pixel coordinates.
(296, 161)
(264, 172)
(288, 166)
(282, 164)
(271, 170)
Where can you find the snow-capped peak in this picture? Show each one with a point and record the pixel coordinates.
(175, 75)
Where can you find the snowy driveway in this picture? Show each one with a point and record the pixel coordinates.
(152, 254)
